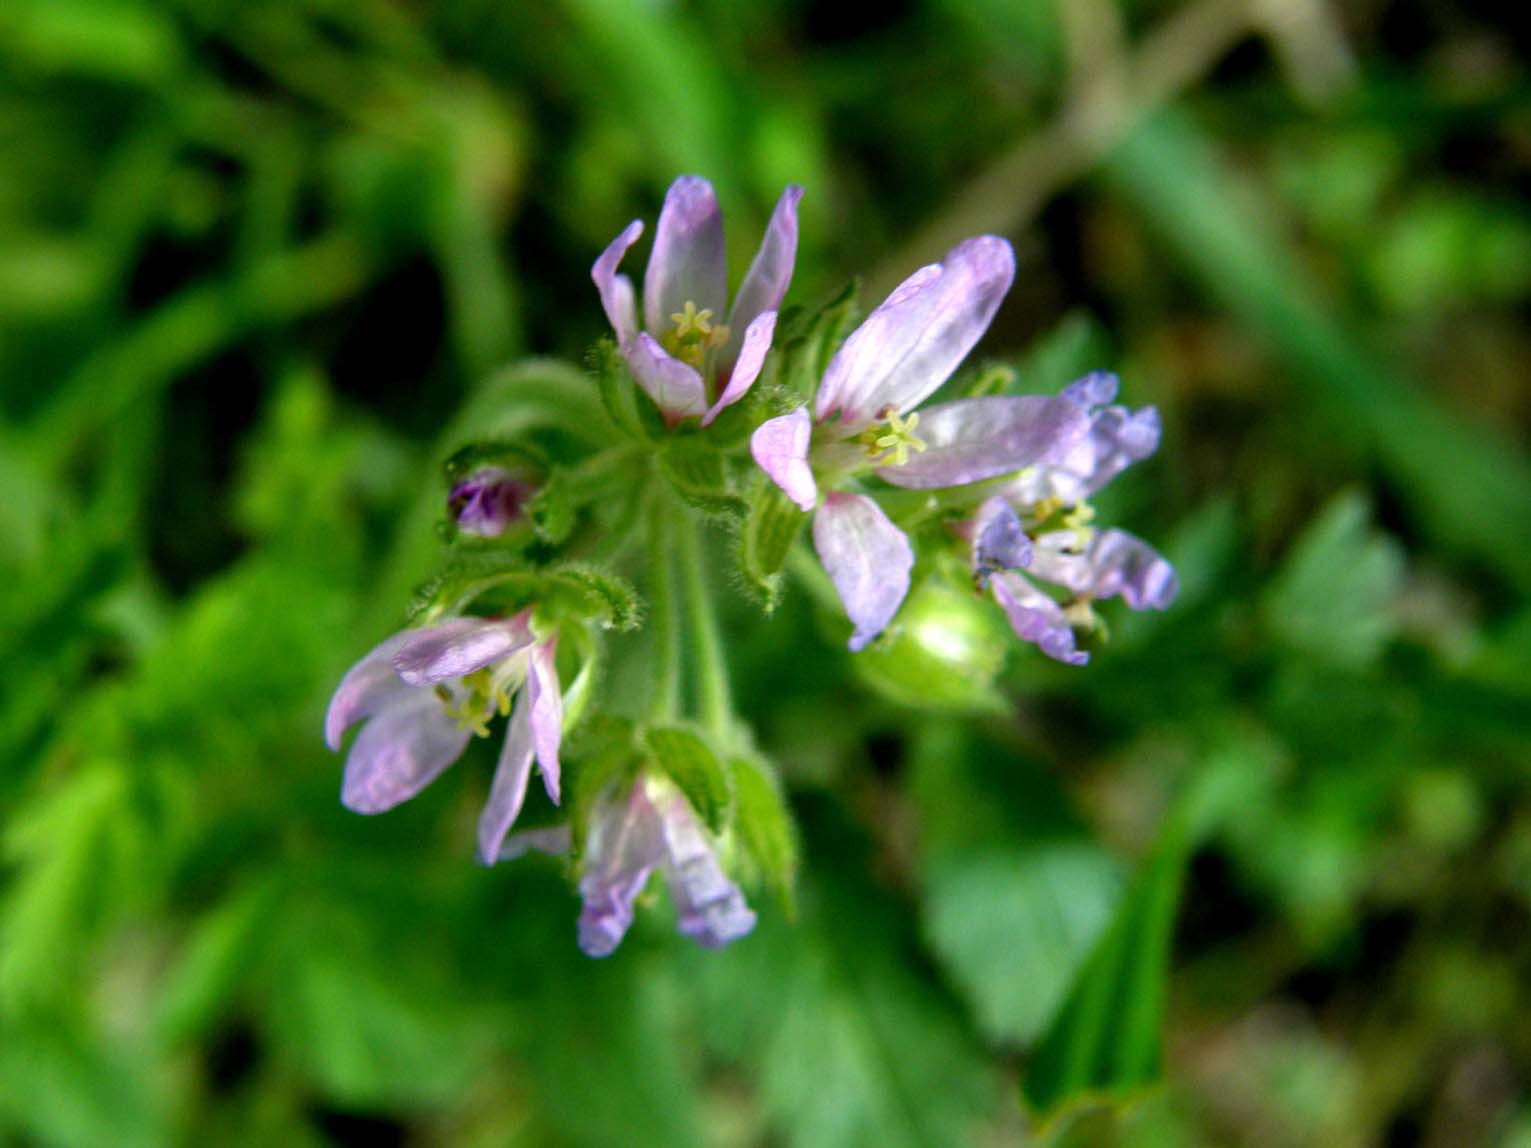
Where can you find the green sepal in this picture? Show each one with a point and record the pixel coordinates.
(765, 828)
(770, 526)
(684, 757)
(552, 510)
(809, 339)
(701, 479)
(617, 390)
(506, 583)
(469, 572)
(609, 598)
(521, 459)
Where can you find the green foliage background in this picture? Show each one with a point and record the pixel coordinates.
(259, 263)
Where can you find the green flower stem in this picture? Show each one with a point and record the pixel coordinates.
(665, 624)
(714, 696)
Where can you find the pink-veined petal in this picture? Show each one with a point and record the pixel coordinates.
(400, 751)
(622, 846)
(868, 560)
(368, 687)
(507, 792)
(780, 447)
(970, 440)
(459, 646)
(546, 703)
(1037, 618)
(617, 290)
(689, 262)
(765, 283)
(757, 344)
(675, 387)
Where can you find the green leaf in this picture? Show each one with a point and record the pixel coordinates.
(690, 763)
(765, 828)
(218, 955)
(1333, 598)
(67, 1092)
(699, 477)
(604, 752)
(1106, 1042)
(770, 526)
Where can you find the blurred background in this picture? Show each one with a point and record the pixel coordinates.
(257, 257)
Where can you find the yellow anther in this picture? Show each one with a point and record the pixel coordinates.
(890, 441)
(690, 324)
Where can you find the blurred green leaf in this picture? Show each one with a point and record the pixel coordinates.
(687, 760)
(765, 827)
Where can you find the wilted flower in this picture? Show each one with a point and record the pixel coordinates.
(864, 420)
(425, 692)
(632, 832)
(691, 359)
(1042, 522)
(487, 501)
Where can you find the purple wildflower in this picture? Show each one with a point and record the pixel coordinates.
(651, 825)
(488, 501)
(689, 361)
(864, 418)
(425, 692)
(1062, 547)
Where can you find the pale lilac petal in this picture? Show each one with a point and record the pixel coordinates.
(459, 646)
(915, 345)
(765, 283)
(868, 560)
(617, 290)
(757, 343)
(622, 846)
(688, 263)
(970, 440)
(554, 840)
(709, 908)
(1000, 542)
(546, 703)
(1037, 618)
(1093, 390)
(507, 792)
(873, 349)
(400, 751)
(1117, 438)
(369, 686)
(675, 387)
(780, 446)
(1104, 564)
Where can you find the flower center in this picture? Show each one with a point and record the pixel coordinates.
(890, 440)
(693, 335)
(487, 693)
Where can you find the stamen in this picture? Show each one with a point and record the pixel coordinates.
(889, 441)
(693, 335)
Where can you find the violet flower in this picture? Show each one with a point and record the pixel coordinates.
(488, 501)
(864, 420)
(1061, 546)
(423, 693)
(631, 833)
(690, 359)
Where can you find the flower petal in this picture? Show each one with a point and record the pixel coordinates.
(369, 686)
(1117, 438)
(765, 283)
(1093, 390)
(915, 340)
(757, 343)
(780, 447)
(507, 792)
(970, 440)
(1037, 618)
(400, 751)
(675, 387)
(459, 646)
(617, 290)
(1112, 563)
(622, 846)
(554, 840)
(546, 704)
(709, 908)
(1000, 542)
(868, 560)
(688, 263)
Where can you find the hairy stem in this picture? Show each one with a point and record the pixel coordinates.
(713, 695)
(664, 622)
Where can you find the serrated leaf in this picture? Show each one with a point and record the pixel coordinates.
(1332, 599)
(1106, 1042)
(700, 478)
(687, 760)
(770, 527)
(765, 827)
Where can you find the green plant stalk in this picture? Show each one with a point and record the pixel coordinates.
(665, 706)
(713, 694)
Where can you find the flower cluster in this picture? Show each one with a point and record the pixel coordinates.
(998, 483)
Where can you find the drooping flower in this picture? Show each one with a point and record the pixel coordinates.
(486, 502)
(423, 693)
(633, 831)
(864, 420)
(1041, 521)
(696, 356)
